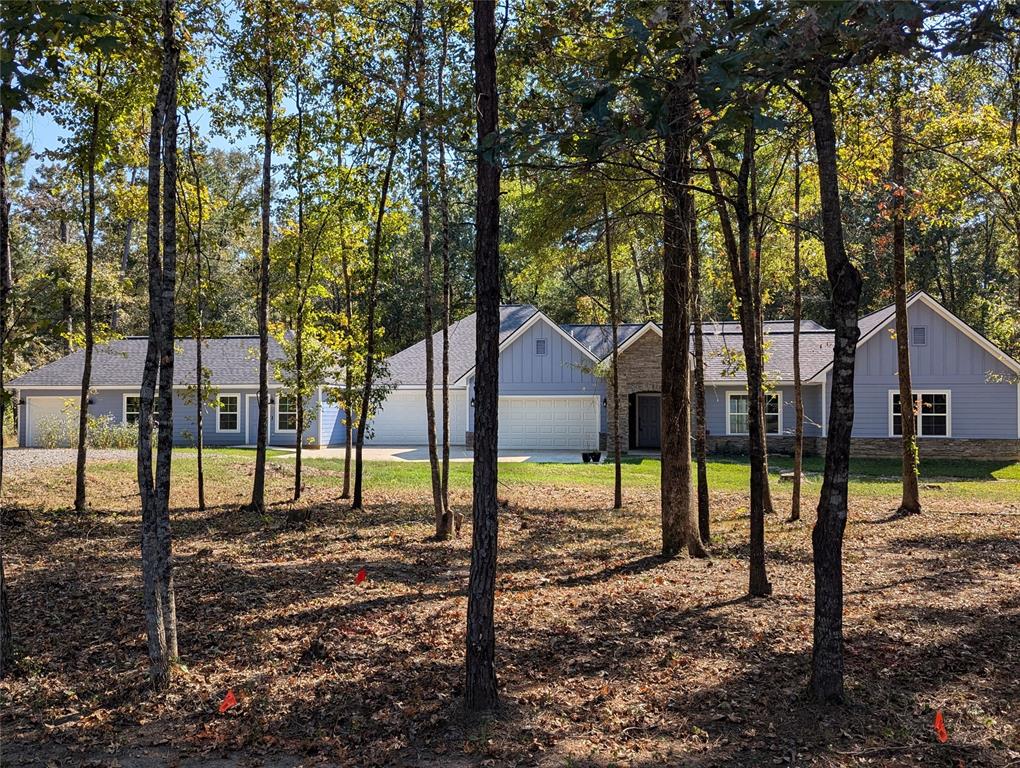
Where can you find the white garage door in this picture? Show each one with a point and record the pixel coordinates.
(401, 418)
(50, 421)
(549, 422)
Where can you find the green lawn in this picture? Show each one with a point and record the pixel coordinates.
(880, 477)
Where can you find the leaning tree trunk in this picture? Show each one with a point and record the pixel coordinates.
(6, 284)
(258, 488)
(480, 693)
(911, 500)
(373, 291)
(199, 318)
(439, 511)
(86, 373)
(700, 435)
(798, 390)
(299, 293)
(678, 525)
(827, 535)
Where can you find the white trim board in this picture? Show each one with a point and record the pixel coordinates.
(219, 397)
(918, 393)
(744, 393)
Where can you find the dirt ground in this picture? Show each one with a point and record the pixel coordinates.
(607, 655)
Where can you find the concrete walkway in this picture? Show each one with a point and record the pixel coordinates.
(457, 453)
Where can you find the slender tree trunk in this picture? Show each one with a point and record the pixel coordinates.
(155, 525)
(80, 503)
(6, 284)
(642, 294)
(442, 532)
(444, 217)
(67, 297)
(125, 260)
(168, 287)
(911, 500)
(700, 436)
(480, 690)
(749, 298)
(798, 389)
(614, 322)
(199, 319)
(299, 290)
(758, 236)
(679, 530)
(258, 490)
(827, 535)
(348, 399)
(373, 294)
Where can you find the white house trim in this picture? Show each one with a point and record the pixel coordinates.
(276, 415)
(744, 393)
(236, 396)
(521, 330)
(247, 422)
(917, 393)
(123, 405)
(648, 326)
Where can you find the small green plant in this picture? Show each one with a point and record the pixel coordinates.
(103, 431)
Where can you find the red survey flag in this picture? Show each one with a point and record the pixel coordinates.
(361, 576)
(230, 700)
(940, 727)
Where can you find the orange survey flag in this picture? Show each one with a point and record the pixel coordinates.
(940, 727)
(230, 700)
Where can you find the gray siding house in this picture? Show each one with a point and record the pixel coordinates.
(554, 395)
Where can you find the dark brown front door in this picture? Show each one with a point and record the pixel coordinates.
(649, 429)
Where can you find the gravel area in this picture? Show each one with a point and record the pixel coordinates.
(18, 460)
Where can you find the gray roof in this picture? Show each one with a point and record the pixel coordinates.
(232, 360)
(407, 367)
(598, 339)
(724, 352)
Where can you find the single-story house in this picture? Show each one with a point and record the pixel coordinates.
(553, 393)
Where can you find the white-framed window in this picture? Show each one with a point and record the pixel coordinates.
(932, 413)
(228, 413)
(132, 408)
(919, 335)
(737, 410)
(540, 346)
(286, 413)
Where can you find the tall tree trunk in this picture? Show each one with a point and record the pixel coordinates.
(444, 218)
(798, 389)
(480, 690)
(614, 321)
(6, 284)
(258, 490)
(168, 287)
(125, 260)
(86, 375)
(640, 283)
(67, 299)
(911, 500)
(678, 525)
(199, 319)
(299, 291)
(700, 436)
(373, 293)
(827, 535)
(153, 572)
(749, 299)
(426, 262)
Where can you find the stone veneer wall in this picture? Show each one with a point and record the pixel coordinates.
(640, 371)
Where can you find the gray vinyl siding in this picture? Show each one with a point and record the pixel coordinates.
(333, 432)
(983, 391)
(716, 416)
(562, 370)
(111, 402)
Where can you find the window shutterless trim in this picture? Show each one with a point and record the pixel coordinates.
(920, 429)
(743, 393)
(236, 413)
(277, 411)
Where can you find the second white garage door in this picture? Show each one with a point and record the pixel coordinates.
(549, 423)
(401, 418)
(50, 421)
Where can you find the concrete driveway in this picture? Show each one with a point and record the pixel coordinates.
(457, 453)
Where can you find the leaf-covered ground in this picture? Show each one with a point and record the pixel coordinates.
(607, 655)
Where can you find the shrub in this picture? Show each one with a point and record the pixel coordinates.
(103, 431)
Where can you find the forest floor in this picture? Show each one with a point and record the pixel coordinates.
(607, 655)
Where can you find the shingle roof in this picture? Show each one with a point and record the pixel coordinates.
(598, 339)
(407, 367)
(720, 348)
(232, 360)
